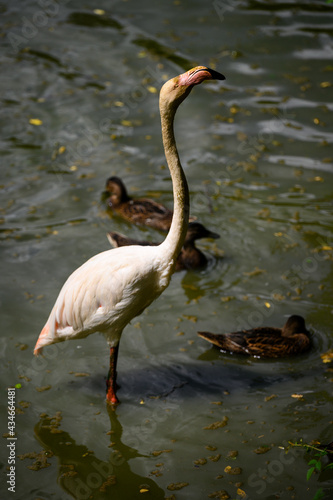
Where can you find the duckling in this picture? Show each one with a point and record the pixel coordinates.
(190, 256)
(265, 342)
(140, 210)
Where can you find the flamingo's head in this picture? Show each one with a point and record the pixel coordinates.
(174, 91)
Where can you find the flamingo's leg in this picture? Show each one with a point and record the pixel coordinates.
(111, 385)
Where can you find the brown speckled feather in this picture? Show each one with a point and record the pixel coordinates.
(266, 342)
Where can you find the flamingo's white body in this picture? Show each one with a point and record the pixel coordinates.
(111, 288)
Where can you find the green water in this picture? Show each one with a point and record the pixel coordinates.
(257, 152)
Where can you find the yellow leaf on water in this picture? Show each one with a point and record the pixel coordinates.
(241, 493)
(297, 396)
(327, 357)
(99, 12)
(35, 121)
(144, 490)
(152, 90)
(61, 150)
(126, 123)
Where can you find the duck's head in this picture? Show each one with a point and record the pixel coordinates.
(117, 190)
(295, 324)
(197, 231)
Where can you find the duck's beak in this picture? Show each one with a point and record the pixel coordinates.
(215, 236)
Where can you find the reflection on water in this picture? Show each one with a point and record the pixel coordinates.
(83, 475)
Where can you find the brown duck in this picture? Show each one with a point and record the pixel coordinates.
(140, 210)
(265, 342)
(190, 256)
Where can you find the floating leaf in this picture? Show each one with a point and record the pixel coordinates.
(262, 449)
(255, 272)
(194, 319)
(157, 453)
(217, 425)
(221, 495)
(126, 123)
(43, 388)
(200, 461)
(272, 396)
(176, 486)
(35, 121)
(327, 357)
(234, 471)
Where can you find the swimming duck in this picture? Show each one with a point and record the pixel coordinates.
(265, 342)
(190, 256)
(140, 210)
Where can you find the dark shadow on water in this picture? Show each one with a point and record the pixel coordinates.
(210, 376)
(83, 475)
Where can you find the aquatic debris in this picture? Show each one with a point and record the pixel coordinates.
(194, 319)
(221, 495)
(327, 357)
(217, 425)
(79, 374)
(176, 486)
(272, 396)
(200, 461)
(215, 458)
(297, 396)
(35, 121)
(234, 471)
(262, 449)
(232, 454)
(211, 448)
(40, 459)
(110, 481)
(255, 272)
(158, 453)
(43, 388)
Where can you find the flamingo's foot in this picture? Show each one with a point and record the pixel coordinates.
(111, 397)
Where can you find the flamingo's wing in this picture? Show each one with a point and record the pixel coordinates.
(104, 294)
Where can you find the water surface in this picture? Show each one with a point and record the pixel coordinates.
(79, 91)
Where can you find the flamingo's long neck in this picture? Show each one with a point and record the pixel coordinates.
(176, 236)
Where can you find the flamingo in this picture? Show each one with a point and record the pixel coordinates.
(111, 288)
(265, 342)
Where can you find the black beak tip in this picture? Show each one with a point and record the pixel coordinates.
(216, 75)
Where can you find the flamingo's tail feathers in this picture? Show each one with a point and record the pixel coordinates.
(43, 339)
